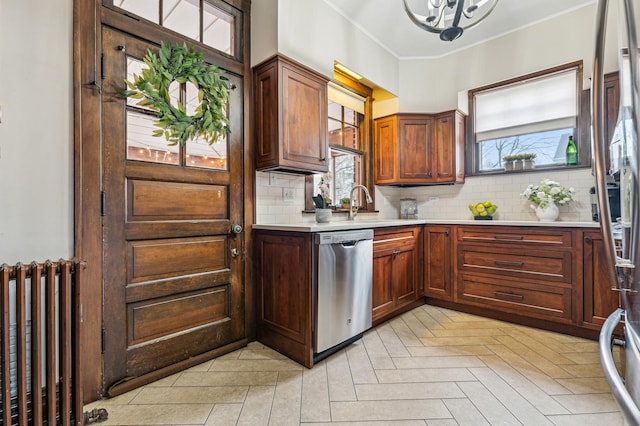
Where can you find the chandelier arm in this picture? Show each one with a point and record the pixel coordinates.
(414, 18)
(477, 21)
(458, 15)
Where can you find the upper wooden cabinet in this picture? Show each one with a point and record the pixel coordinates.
(291, 117)
(419, 149)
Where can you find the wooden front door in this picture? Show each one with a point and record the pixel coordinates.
(172, 265)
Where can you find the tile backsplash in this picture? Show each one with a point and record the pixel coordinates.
(434, 202)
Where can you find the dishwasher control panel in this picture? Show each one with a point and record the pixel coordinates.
(341, 237)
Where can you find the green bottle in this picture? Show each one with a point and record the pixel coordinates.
(571, 152)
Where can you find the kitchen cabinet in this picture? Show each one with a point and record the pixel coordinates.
(438, 262)
(598, 300)
(396, 271)
(282, 272)
(523, 271)
(290, 118)
(419, 149)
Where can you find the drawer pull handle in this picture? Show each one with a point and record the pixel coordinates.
(395, 253)
(508, 263)
(508, 237)
(507, 295)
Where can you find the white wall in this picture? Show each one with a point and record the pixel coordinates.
(36, 133)
(314, 34)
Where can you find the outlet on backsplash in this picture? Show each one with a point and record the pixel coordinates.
(288, 195)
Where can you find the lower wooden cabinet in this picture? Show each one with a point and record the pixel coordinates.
(598, 300)
(438, 262)
(396, 270)
(282, 271)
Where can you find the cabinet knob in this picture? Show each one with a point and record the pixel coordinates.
(587, 239)
(429, 174)
(446, 233)
(439, 174)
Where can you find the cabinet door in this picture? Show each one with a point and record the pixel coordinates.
(304, 119)
(415, 149)
(449, 147)
(385, 150)
(599, 301)
(405, 283)
(438, 272)
(282, 271)
(382, 297)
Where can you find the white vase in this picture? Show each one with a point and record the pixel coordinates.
(323, 215)
(548, 213)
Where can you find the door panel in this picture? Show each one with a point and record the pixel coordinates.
(172, 289)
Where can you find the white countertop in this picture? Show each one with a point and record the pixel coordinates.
(341, 225)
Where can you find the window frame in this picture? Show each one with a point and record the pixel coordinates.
(227, 6)
(580, 132)
(366, 140)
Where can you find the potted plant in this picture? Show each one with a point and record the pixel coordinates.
(345, 202)
(546, 197)
(508, 162)
(528, 160)
(323, 211)
(517, 164)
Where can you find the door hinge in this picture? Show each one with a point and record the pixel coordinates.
(102, 66)
(103, 203)
(102, 337)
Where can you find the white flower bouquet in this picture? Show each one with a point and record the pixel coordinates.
(546, 192)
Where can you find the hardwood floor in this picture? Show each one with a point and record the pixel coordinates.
(429, 366)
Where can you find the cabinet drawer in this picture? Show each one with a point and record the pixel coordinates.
(539, 265)
(513, 235)
(539, 300)
(403, 239)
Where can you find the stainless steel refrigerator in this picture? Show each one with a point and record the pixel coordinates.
(623, 249)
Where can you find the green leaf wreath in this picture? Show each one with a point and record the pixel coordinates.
(182, 64)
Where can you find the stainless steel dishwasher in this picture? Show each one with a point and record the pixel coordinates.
(343, 271)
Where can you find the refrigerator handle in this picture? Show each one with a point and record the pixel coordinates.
(600, 145)
(619, 391)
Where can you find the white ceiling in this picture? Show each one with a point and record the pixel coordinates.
(387, 23)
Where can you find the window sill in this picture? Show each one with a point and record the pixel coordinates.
(536, 169)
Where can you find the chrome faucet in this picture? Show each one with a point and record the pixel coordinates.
(353, 209)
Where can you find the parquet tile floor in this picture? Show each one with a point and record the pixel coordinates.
(429, 366)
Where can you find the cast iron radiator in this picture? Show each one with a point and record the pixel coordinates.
(40, 371)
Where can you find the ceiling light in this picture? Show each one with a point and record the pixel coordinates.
(338, 66)
(450, 18)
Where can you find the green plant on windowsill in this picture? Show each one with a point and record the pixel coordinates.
(345, 202)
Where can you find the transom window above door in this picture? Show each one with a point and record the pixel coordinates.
(210, 22)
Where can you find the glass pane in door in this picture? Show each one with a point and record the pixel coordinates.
(143, 146)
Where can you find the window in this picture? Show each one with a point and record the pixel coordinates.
(210, 22)
(143, 146)
(349, 140)
(534, 114)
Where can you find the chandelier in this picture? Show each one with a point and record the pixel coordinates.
(444, 16)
